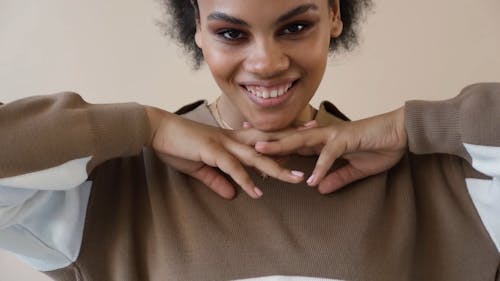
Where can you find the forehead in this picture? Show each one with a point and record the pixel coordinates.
(254, 10)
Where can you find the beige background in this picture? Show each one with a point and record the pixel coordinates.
(112, 51)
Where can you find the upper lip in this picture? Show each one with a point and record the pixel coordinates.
(269, 84)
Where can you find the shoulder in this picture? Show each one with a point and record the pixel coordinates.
(198, 111)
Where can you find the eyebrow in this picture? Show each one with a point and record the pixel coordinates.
(288, 15)
(302, 9)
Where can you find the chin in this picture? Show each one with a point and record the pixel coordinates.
(269, 126)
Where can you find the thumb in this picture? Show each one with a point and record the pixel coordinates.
(215, 181)
(340, 178)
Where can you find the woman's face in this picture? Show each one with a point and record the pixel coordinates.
(268, 57)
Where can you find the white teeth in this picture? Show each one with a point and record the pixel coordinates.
(281, 92)
(265, 93)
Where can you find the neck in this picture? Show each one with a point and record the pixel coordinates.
(229, 115)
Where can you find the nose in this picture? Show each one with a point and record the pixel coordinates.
(266, 58)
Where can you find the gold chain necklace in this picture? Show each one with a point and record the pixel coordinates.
(218, 117)
(214, 109)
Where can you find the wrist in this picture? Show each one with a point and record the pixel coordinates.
(400, 126)
(155, 117)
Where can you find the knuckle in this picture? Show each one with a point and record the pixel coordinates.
(258, 158)
(251, 157)
(232, 166)
(246, 184)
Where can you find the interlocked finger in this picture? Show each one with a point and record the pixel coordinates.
(340, 178)
(231, 166)
(252, 136)
(330, 152)
(291, 143)
(250, 157)
(215, 181)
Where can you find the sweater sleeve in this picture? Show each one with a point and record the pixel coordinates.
(59, 133)
(467, 126)
(454, 126)
(48, 147)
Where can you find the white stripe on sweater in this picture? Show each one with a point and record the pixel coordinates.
(486, 193)
(42, 214)
(46, 230)
(64, 176)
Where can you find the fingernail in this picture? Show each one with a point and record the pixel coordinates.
(258, 192)
(310, 123)
(311, 179)
(246, 125)
(297, 173)
(259, 144)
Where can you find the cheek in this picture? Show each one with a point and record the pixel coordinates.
(315, 57)
(217, 64)
(314, 61)
(222, 65)
(313, 64)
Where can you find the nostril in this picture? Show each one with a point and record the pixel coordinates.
(267, 66)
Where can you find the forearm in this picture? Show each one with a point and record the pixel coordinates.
(155, 117)
(473, 117)
(44, 132)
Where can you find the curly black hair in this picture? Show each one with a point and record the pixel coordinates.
(181, 24)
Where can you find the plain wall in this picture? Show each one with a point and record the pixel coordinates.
(112, 51)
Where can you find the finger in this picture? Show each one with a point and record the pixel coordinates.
(308, 125)
(340, 178)
(183, 165)
(215, 181)
(231, 166)
(251, 135)
(247, 125)
(204, 173)
(248, 136)
(291, 143)
(306, 151)
(330, 152)
(250, 157)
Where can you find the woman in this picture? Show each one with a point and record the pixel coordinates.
(81, 199)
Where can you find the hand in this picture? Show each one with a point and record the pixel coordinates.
(196, 149)
(370, 146)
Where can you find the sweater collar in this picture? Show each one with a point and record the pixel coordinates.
(327, 113)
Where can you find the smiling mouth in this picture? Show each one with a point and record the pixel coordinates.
(274, 92)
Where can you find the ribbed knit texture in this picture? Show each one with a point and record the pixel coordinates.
(147, 221)
(416, 222)
(67, 128)
(444, 126)
(434, 127)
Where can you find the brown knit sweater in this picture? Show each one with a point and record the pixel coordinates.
(143, 220)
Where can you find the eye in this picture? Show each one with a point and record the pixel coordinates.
(231, 34)
(294, 28)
